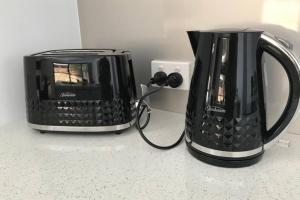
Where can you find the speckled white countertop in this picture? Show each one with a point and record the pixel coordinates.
(107, 166)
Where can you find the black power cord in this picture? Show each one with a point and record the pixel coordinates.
(173, 80)
(144, 107)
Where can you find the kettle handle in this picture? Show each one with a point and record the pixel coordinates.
(287, 59)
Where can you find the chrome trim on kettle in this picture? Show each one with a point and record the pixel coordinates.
(226, 154)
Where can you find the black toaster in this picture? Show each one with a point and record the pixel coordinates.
(80, 90)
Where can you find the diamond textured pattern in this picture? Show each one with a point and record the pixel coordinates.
(80, 112)
(238, 134)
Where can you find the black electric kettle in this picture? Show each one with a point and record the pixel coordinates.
(226, 116)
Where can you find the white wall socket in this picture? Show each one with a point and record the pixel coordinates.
(184, 68)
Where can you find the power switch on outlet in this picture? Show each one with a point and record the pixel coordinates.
(184, 68)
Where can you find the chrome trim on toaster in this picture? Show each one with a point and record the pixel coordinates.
(226, 154)
(82, 128)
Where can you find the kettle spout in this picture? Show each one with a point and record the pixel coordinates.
(194, 39)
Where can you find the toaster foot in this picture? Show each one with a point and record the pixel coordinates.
(224, 162)
(118, 132)
(43, 132)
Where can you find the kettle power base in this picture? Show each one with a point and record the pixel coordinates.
(224, 162)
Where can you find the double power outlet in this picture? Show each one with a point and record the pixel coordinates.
(184, 68)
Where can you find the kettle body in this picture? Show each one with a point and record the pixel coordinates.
(226, 114)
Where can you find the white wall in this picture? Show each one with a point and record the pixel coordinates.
(27, 27)
(156, 29)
